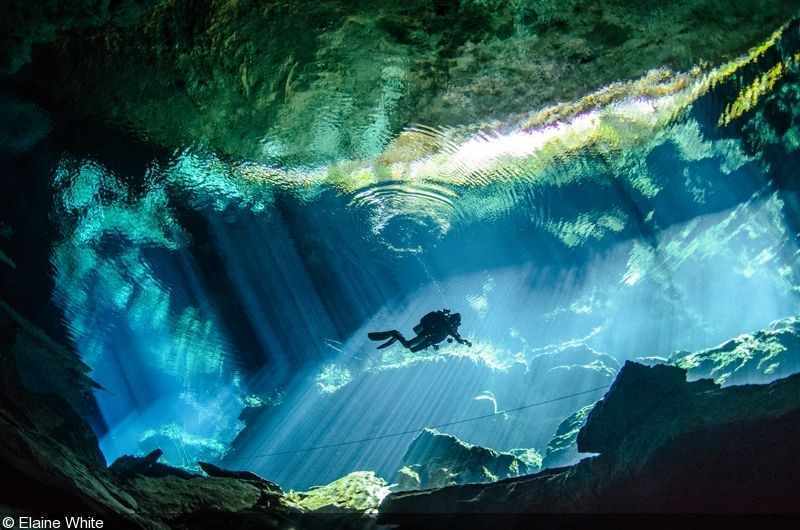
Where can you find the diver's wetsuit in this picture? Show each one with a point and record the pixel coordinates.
(433, 328)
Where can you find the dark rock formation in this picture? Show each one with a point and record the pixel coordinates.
(435, 460)
(148, 465)
(45, 366)
(48, 452)
(642, 398)
(214, 471)
(26, 25)
(666, 446)
(186, 503)
(758, 357)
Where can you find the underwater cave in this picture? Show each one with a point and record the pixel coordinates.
(350, 264)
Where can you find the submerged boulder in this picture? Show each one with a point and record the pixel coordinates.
(639, 396)
(360, 491)
(435, 460)
(184, 503)
(759, 357)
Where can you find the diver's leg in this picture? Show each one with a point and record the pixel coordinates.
(420, 342)
(416, 341)
(392, 335)
(405, 342)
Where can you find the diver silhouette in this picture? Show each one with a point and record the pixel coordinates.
(432, 329)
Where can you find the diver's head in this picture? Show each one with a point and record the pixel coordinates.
(455, 318)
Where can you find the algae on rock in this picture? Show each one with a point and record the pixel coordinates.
(360, 491)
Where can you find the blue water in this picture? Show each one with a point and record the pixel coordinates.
(207, 290)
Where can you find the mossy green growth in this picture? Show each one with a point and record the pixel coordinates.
(360, 491)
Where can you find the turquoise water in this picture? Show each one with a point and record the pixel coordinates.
(208, 294)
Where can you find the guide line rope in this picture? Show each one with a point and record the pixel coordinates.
(420, 429)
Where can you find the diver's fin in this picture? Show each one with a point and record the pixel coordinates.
(380, 335)
(388, 343)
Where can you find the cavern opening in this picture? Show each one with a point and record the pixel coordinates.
(208, 207)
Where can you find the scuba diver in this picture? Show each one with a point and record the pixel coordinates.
(432, 329)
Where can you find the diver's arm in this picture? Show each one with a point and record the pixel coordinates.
(458, 338)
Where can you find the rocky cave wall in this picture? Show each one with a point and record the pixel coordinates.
(296, 83)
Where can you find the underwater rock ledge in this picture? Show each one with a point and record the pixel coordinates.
(759, 357)
(665, 444)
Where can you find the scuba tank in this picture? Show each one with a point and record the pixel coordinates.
(431, 320)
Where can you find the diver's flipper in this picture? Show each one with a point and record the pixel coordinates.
(380, 335)
(388, 343)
